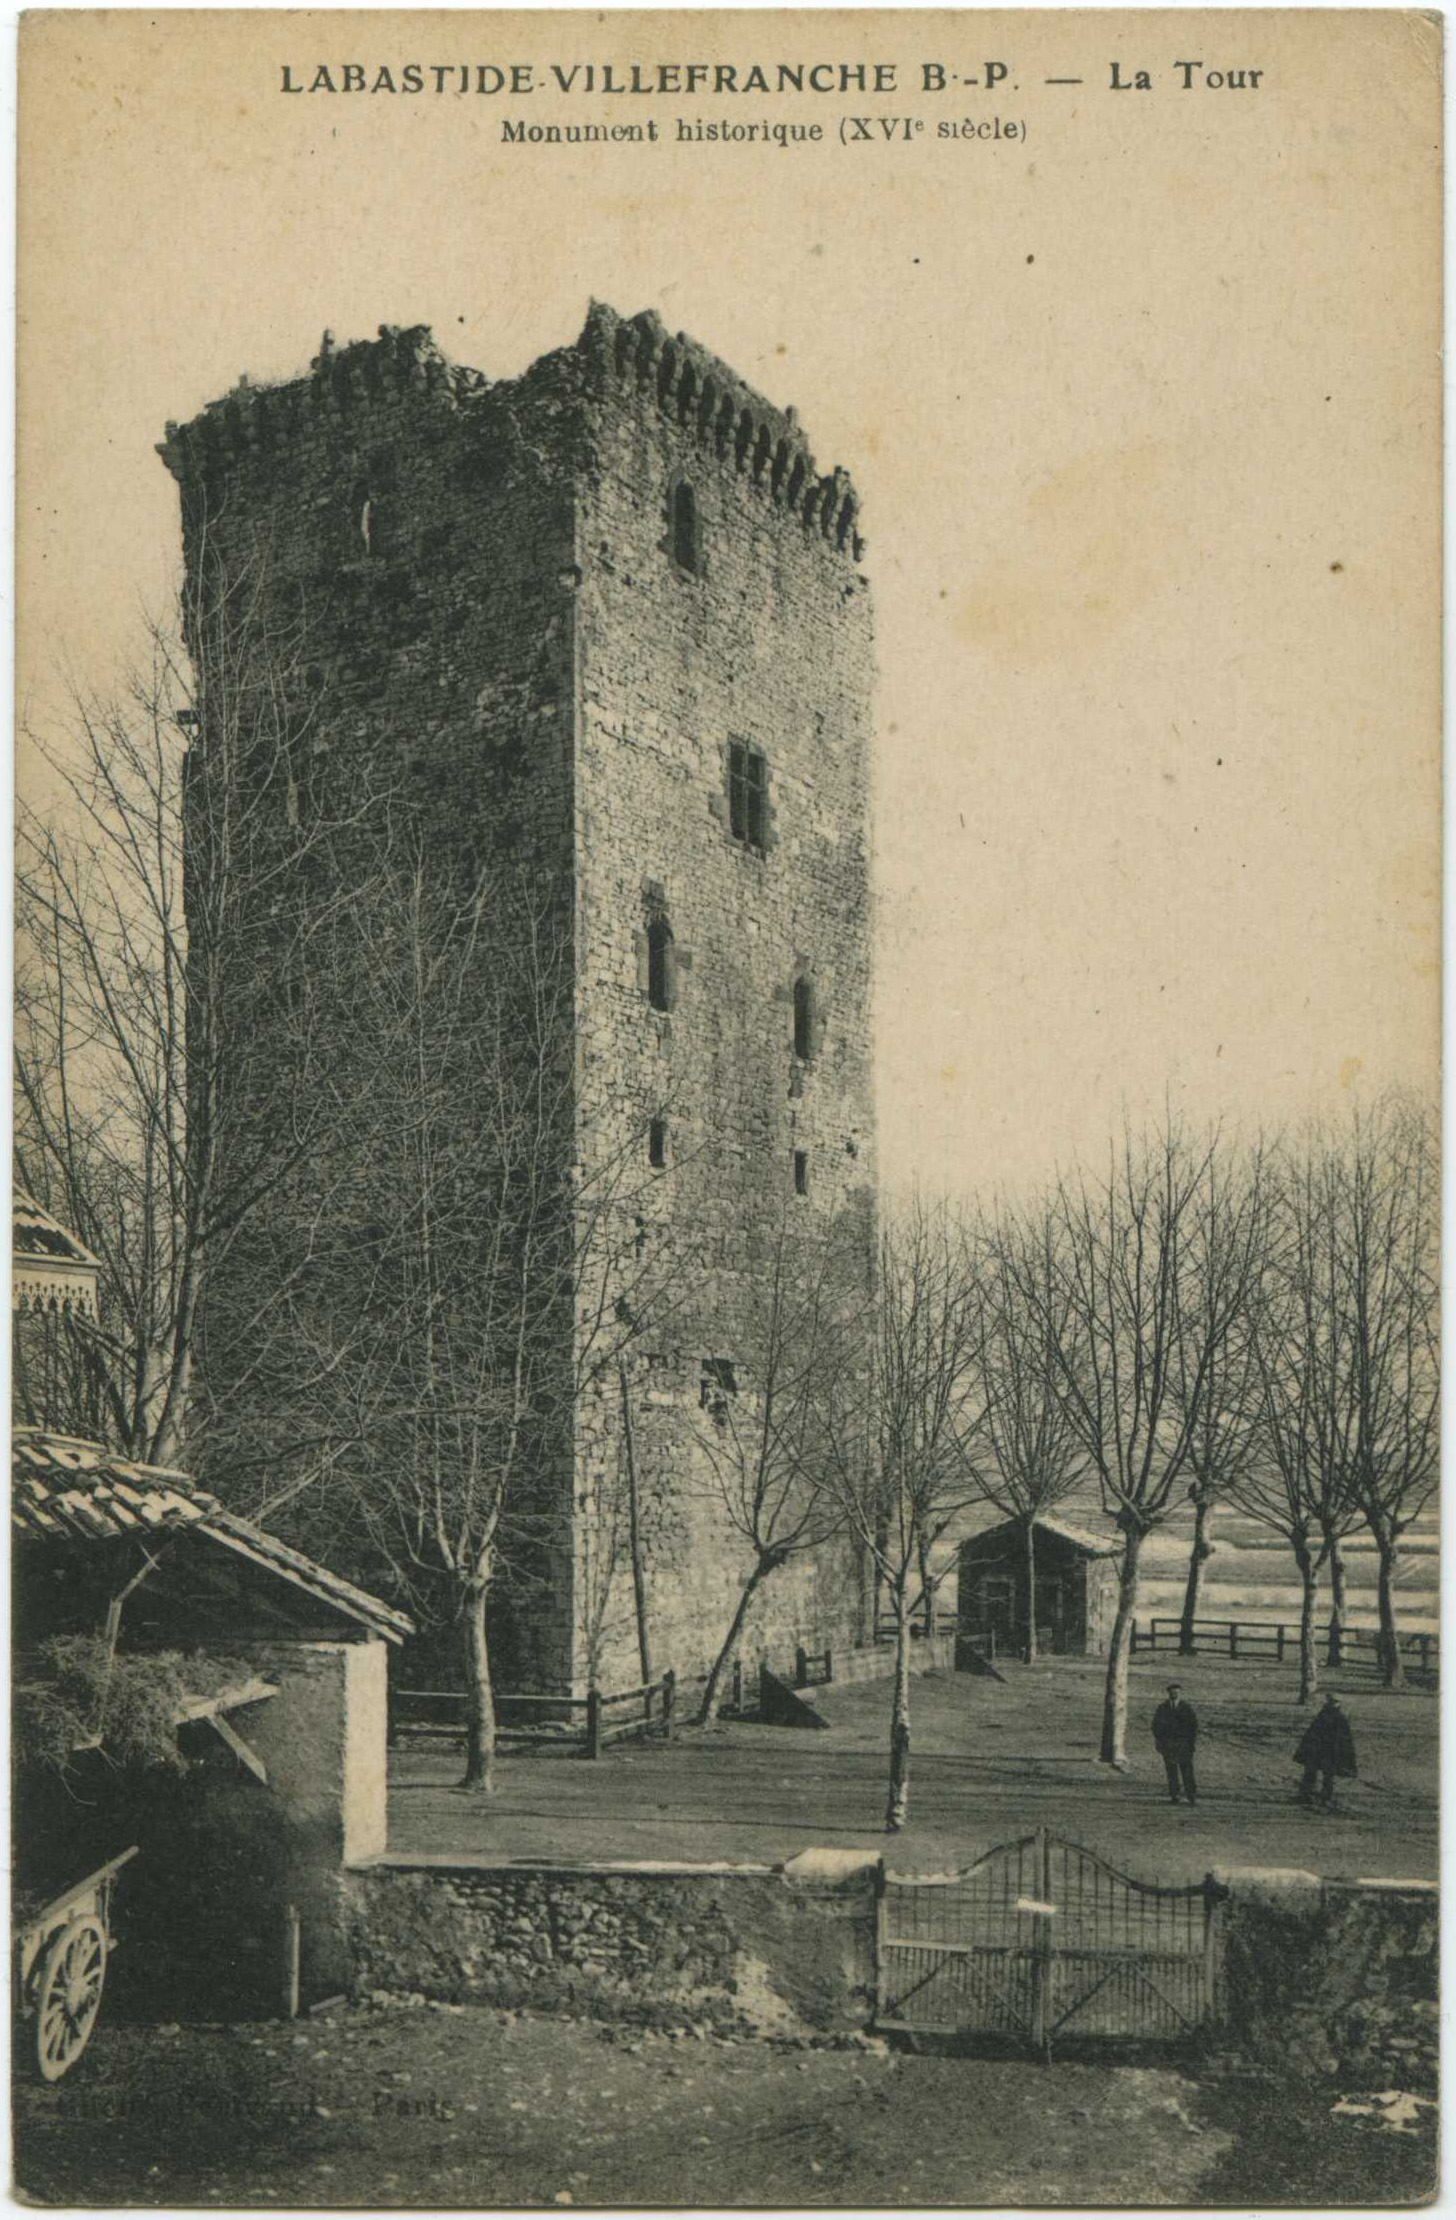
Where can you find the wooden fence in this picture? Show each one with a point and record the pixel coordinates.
(886, 1626)
(589, 1722)
(1254, 1639)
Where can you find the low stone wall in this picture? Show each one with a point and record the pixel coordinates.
(877, 1662)
(1334, 1978)
(765, 1950)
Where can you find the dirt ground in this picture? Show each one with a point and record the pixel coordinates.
(991, 1759)
(442, 2106)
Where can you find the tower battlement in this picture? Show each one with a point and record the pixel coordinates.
(690, 387)
(763, 444)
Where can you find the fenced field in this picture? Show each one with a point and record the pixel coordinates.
(1256, 1639)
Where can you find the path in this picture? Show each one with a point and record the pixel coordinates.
(476, 2109)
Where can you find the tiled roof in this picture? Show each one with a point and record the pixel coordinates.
(1096, 1545)
(65, 1490)
(1091, 1545)
(62, 1489)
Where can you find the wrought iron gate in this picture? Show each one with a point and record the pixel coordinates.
(1042, 1941)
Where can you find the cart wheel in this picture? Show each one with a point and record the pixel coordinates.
(68, 1996)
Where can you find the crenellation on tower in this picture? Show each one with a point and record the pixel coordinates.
(725, 417)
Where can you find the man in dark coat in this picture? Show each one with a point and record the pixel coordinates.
(1326, 1749)
(1175, 1730)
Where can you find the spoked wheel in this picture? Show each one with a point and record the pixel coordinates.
(68, 1996)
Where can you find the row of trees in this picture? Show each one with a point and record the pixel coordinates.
(1199, 1322)
(258, 1091)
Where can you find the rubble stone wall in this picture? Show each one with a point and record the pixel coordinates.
(762, 639)
(743, 1949)
(1335, 1978)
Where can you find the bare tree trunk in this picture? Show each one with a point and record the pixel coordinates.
(869, 1596)
(1390, 1657)
(1031, 1591)
(927, 1589)
(898, 1803)
(1335, 1654)
(1309, 1597)
(1114, 1701)
(639, 1581)
(479, 1696)
(1201, 1551)
(707, 1709)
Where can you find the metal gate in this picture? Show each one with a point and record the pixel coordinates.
(1041, 1941)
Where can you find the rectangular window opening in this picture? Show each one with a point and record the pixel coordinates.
(716, 1388)
(801, 1171)
(657, 1144)
(747, 794)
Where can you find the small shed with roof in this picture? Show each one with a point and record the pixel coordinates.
(283, 1790)
(1069, 1578)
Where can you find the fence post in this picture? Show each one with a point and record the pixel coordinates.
(292, 1959)
(1279, 1648)
(1233, 1637)
(392, 1714)
(801, 1667)
(1041, 1946)
(882, 1931)
(829, 1663)
(1134, 1648)
(738, 1684)
(1212, 1895)
(593, 1723)
(669, 1698)
(1425, 1641)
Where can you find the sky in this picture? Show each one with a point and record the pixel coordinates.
(1142, 406)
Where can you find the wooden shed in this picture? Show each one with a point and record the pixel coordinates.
(1074, 1580)
(285, 1784)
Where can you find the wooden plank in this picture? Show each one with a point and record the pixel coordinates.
(238, 1746)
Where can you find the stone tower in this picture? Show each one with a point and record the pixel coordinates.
(609, 612)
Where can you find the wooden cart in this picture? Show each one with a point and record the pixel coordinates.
(60, 1968)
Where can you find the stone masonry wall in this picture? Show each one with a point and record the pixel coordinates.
(765, 639)
(1334, 1978)
(746, 1949)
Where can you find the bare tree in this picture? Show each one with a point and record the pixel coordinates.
(1297, 1479)
(761, 1436)
(1219, 1384)
(495, 1269)
(1387, 1204)
(899, 1428)
(1157, 1261)
(169, 1075)
(1024, 1330)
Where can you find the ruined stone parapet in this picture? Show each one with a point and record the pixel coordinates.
(763, 445)
(725, 417)
(252, 421)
